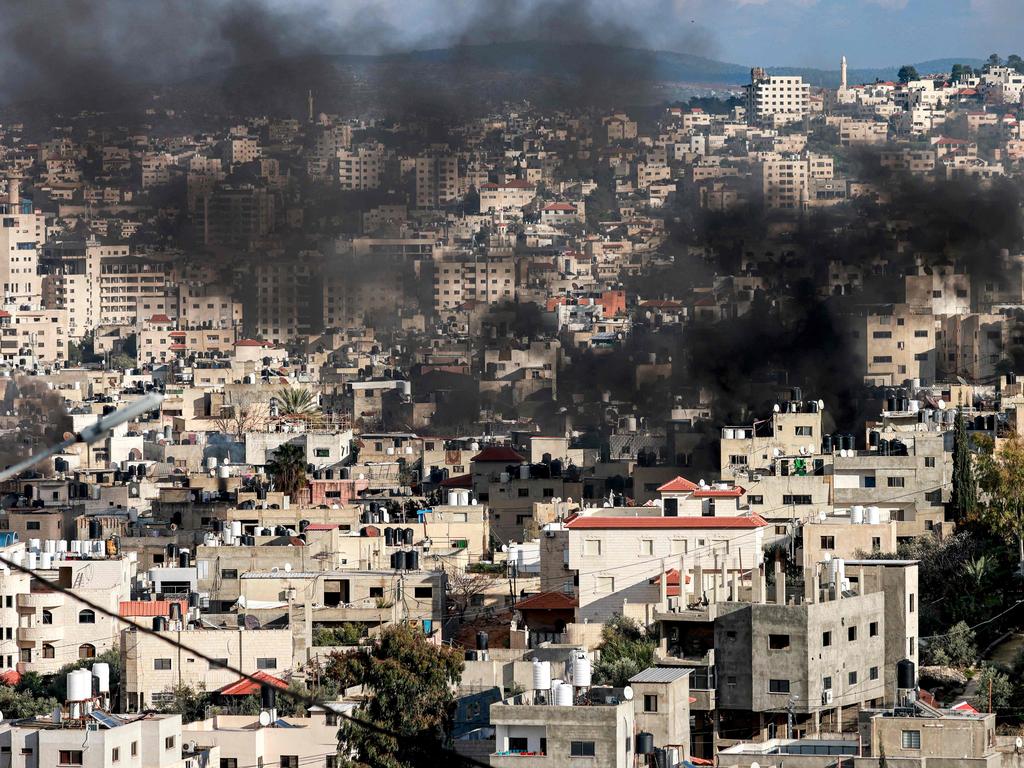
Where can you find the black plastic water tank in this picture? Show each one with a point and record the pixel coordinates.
(389, 537)
(906, 676)
(159, 623)
(409, 533)
(183, 561)
(645, 743)
(412, 560)
(481, 641)
(95, 529)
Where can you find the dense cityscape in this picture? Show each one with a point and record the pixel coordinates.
(521, 405)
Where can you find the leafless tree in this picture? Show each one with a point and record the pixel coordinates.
(244, 413)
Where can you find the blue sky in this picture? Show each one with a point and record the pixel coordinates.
(769, 32)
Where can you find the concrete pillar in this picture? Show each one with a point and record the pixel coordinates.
(780, 584)
(715, 577)
(698, 583)
(757, 585)
(663, 582)
(683, 592)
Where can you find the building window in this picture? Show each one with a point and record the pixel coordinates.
(87, 651)
(69, 757)
(289, 761)
(826, 683)
(115, 755)
(322, 453)
(266, 663)
(778, 686)
(605, 584)
(592, 547)
(218, 663)
(49, 652)
(423, 592)
(873, 629)
(873, 673)
(32, 525)
(229, 573)
(910, 740)
(826, 639)
(229, 762)
(755, 500)
(828, 542)
(911, 609)
(169, 742)
(798, 499)
(581, 749)
(650, 702)
(929, 461)
(47, 617)
(778, 642)
(895, 482)
(87, 616)
(647, 547)
(851, 634)
(161, 663)
(804, 431)
(523, 492)
(135, 748)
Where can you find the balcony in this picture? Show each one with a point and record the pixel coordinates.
(41, 633)
(37, 600)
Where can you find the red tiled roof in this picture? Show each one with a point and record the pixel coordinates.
(712, 493)
(149, 607)
(679, 485)
(321, 526)
(499, 453)
(598, 522)
(671, 582)
(4, 313)
(548, 601)
(560, 207)
(247, 687)
(251, 343)
(159, 319)
(458, 481)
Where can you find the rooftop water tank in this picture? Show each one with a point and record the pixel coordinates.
(541, 675)
(101, 671)
(79, 685)
(580, 669)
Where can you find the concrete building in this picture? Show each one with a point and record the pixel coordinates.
(102, 741)
(783, 183)
(894, 344)
(437, 180)
(22, 233)
(775, 100)
(153, 667)
(920, 736)
(531, 732)
(242, 740)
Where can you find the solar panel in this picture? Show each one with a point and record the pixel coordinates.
(102, 717)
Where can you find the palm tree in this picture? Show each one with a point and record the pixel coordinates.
(296, 402)
(288, 468)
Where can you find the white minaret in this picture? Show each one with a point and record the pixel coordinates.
(842, 74)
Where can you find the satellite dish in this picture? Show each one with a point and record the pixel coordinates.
(755, 764)
(942, 404)
(821, 405)
(264, 718)
(627, 693)
(777, 452)
(702, 484)
(776, 408)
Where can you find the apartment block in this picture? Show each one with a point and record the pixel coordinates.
(894, 344)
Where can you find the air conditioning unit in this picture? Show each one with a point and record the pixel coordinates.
(826, 697)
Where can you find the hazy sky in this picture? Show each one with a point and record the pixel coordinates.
(769, 32)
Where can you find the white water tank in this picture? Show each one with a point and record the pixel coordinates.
(524, 471)
(914, 406)
(101, 671)
(79, 685)
(45, 560)
(236, 528)
(211, 462)
(50, 545)
(62, 546)
(453, 499)
(76, 546)
(541, 675)
(505, 477)
(857, 514)
(580, 670)
(562, 694)
(224, 472)
(133, 556)
(33, 561)
(728, 434)
(874, 515)
(33, 545)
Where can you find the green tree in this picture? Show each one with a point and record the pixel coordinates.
(907, 73)
(993, 60)
(410, 708)
(625, 650)
(956, 648)
(288, 468)
(995, 686)
(1001, 477)
(964, 500)
(1014, 61)
(121, 361)
(15, 703)
(189, 702)
(296, 402)
(960, 71)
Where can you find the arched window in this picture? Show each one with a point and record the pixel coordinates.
(87, 651)
(47, 617)
(48, 652)
(87, 616)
